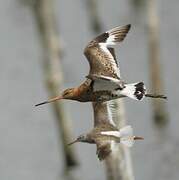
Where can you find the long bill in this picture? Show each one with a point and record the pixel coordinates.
(50, 100)
(73, 142)
(161, 96)
(138, 138)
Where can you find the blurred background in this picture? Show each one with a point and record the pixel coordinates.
(30, 146)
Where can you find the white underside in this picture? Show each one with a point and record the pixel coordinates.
(125, 134)
(110, 41)
(105, 83)
(129, 90)
(110, 114)
(102, 84)
(111, 133)
(127, 141)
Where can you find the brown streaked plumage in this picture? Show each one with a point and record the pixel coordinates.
(103, 81)
(102, 60)
(83, 93)
(104, 142)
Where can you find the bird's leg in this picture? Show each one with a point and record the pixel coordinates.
(156, 96)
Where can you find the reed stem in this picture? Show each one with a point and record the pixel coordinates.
(159, 107)
(46, 23)
(118, 164)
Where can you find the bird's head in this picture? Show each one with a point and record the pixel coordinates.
(69, 93)
(81, 138)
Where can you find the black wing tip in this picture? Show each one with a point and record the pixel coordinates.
(103, 152)
(128, 26)
(140, 90)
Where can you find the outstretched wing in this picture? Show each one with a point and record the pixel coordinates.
(105, 83)
(103, 149)
(101, 55)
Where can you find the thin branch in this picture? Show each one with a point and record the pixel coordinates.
(159, 107)
(45, 18)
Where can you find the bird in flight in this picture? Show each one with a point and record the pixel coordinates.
(106, 136)
(105, 133)
(104, 83)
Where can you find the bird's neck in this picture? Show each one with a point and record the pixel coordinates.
(88, 140)
(82, 92)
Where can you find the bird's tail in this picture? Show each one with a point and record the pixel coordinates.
(126, 136)
(135, 90)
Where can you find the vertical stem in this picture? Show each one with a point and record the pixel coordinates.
(122, 158)
(45, 18)
(118, 164)
(93, 15)
(121, 122)
(137, 3)
(160, 114)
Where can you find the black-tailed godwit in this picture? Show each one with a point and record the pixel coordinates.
(105, 136)
(103, 82)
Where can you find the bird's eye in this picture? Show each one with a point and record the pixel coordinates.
(138, 92)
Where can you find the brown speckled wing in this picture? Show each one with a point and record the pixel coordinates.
(103, 150)
(101, 55)
(104, 113)
(101, 114)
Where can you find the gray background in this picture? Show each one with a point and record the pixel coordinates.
(29, 147)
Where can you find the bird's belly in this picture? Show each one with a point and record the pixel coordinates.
(116, 94)
(102, 96)
(101, 85)
(110, 95)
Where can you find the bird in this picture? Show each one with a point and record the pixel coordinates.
(106, 136)
(103, 83)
